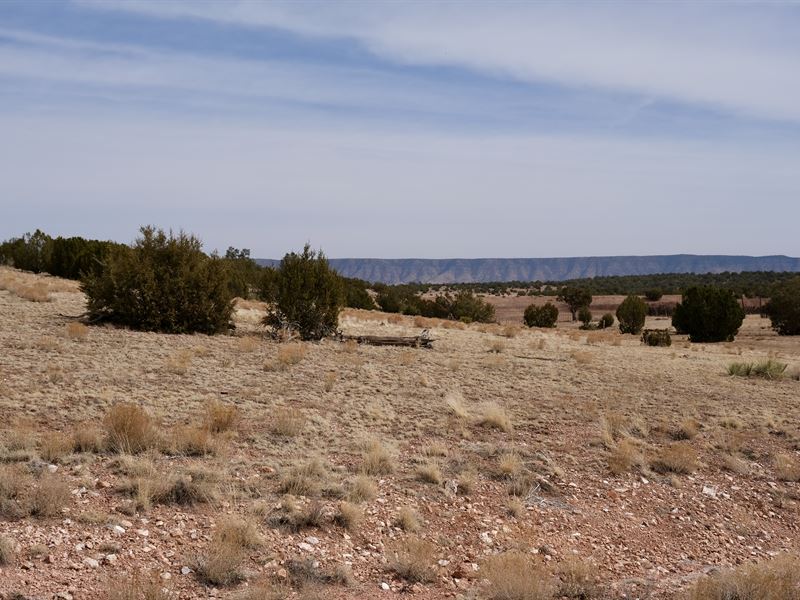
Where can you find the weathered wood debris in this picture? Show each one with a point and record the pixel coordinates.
(422, 340)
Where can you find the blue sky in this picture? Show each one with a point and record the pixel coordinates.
(450, 129)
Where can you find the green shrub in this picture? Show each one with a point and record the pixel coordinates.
(607, 320)
(631, 314)
(309, 296)
(244, 274)
(656, 337)
(783, 308)
(767, 369)
(31, 252)
(356, 294)
(708, 314)
(162, 283)
(585, 317)
(653, 295)
(574, 298)
(541, 316)
(465, 304)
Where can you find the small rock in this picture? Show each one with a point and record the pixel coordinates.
(305, 546)
(117, 529)
(166, 576)
(91, 563)
(143, 532)
(52, 468)
(384, 586)
(185, 570)
(312, 540)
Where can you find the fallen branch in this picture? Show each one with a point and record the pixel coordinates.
(416, 341)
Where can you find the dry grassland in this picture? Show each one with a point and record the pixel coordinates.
(504, 463)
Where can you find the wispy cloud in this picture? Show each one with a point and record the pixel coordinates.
(736, 57)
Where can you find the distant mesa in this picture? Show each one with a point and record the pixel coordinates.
(478, 270)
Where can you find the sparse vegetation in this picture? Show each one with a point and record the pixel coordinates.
(413, 559)
(541, 316)
(376, 460)
(575, 298)
(495, 416)
(129, 428)
(775, 579)
(516, 576)
(766, 369)
(678, 457)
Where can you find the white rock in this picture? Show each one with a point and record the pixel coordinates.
(185, 570)
(312, 540)
(305, 546)
(385, 586)
(52, 468)
(91, 563)
(117, 529)
(143, 532)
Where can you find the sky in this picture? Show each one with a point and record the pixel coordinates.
(405, 129)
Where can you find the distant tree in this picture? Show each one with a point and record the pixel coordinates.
(783, 308)
(356, 294)
(631, 314)
(708, 314)
(585, 316)
(575, 298)
(654, 295)
(309, 295)
(31, 252)
(607, 320)
(541, 316)
(162, 283)
(466, 306)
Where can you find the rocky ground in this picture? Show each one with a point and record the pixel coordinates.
(364, 472)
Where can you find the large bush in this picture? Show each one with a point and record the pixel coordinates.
(575, 298)
(631, 314)
(708, 314)
(31, 252)
(162, 283)
(468, 307)
(309, 295)
(541, 316)
(783, 308)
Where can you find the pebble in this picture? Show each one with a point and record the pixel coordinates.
(91, 563)
(312, 540)
(305, 546)
(185, 570)
(384, 586)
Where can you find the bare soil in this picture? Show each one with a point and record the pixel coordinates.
(571, 397)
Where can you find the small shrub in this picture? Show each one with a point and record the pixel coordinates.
(656, 337)
(708, 314)
(577, 579)
(129, 428)
(623, 457)
(304, 479)
(137, 586)
(179, 362)
(516, 576)
(455, 405)
(429, 473)
(288, 355)
(362, 489)
(606, 321)
(192, 441)
(54, 446)
(162, 283)
(654, 295)
(541, 316)
(50, 495)
(494, 416)
(775, 579)
(631, 314)
(408, 520)
(238, 532)
(515, 507)
(309, 296)
(349, 516)
(377, 460)
(87, 438)
(687, 430)
(574, 298)
(412, 559)
(783, 308)
(678, 457)
(221, 417)
(766, 369)
(787, 467)
(585, 317)
(221, 563)
(496, 346)
(509, 465)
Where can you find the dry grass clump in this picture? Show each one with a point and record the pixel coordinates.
(54, 446)
(376, 460)
(179, 362)
(329, 381)
(137, 586)
(362, 489)
(766, 369)
(510, 331)
(129, 428)
(678, 457)
(7, 554)
(87, 438)
(349, 516)
(509, 465)
(577, 579)
(435, 449)
(467, 482)
(221, 417)
(413, 559)
(408, 520)
(307, 575)
(304, 479)
(76, 331)
(148, 486)
(37, 292)
(291, 354)
(238, 532)
(687, 430)
(248, 344)
(515, 507)
(624, 456)
(190, 440)
(455, 405)
(221, 564)
(13, 483)
(287, 422)
(429, 473)
(734, 464)
(494, 416)
(787, 467)
(582, 358)
(516, 576)
(496, 346)
(49, 497)
(775, 579)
